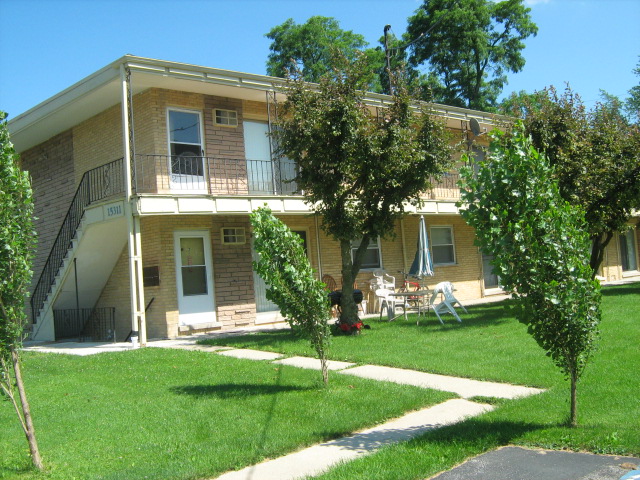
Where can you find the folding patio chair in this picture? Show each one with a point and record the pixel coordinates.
(448, 300)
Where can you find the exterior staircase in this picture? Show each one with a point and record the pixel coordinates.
(87, 247)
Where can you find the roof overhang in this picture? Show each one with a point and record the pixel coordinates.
(103, 89)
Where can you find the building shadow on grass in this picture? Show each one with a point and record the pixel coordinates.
(615, 290)
(234, 390)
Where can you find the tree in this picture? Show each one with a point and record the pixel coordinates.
(16, 244)
(596, 155)
(540, 247)
(470, 45)
(311, 47)
(358, 169)
(284, 266)
(632, 103)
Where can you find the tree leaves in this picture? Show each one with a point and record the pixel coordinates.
(540, 247)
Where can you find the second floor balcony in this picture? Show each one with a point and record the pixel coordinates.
(166, 174)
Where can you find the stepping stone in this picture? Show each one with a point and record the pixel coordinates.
(313, 363)
(318, 458)
(250, 354)
(464, 387)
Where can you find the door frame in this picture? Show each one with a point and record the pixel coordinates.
(209, 316)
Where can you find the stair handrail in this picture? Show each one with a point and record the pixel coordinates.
(85, 195)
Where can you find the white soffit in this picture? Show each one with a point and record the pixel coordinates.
(103, 89)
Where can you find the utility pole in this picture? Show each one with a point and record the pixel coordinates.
(386, 54)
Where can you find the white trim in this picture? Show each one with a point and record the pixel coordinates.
(192, 180)
(203, 317)
(453, 245)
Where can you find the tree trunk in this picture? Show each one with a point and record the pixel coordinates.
(599, 243)
(26, 411)
(325, 370)
(349, 314)
(573, 420)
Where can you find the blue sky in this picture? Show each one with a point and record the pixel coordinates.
(47, 45)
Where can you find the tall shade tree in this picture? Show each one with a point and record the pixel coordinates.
(470, 46)
(540, 248)
(16, 250)
(596, 155)
(310, 48)
(358, 168)
(632, 103)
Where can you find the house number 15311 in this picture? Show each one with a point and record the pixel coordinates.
(114, 211)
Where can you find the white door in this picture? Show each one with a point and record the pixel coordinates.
(194, 277)
(186, 154)
(258, 154)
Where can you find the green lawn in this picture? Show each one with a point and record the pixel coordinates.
(175, 414)
(491, 344)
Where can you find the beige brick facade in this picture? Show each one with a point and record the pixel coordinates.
(58, 164)
(52, 168)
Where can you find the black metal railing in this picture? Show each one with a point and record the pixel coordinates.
(97, 184)
(86, 324)
(446, 187)
(213, 176)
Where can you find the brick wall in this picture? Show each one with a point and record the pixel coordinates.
(51, 165)
(97, 141)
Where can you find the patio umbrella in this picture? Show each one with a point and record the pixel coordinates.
(422, 266)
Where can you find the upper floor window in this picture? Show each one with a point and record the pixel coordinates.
(186, 150)
(372, 258)
(184, 133)
(442, 247)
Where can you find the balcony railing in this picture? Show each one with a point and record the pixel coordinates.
(445, 188)
(97, 184)
(213, 175)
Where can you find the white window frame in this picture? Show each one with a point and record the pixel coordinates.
(195, 183)
(452, 244)
(231, 117)
(372, 246)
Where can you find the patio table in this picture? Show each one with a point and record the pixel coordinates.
(420, 294)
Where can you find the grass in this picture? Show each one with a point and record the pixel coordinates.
(174, 414)
(491, 344)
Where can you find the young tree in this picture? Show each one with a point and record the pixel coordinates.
(16, 246)
(284, 266)
(540, 248)
(596, 155)
(356, 168)
(470, 45)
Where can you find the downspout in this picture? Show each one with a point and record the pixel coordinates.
(136, 291)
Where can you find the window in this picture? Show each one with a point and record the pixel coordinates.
(442, 247)
(628, 251)
(227, 118)
(371, 257)
(185, 143)
(233, 236)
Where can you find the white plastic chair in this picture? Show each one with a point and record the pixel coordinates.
(448, 300)
(384, 280)
(388, 302)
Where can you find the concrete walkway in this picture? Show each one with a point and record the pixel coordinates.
(318, 458)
